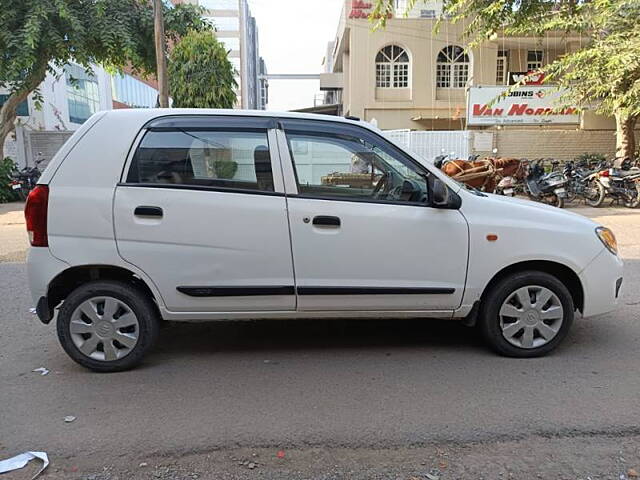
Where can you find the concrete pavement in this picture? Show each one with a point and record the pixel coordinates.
(341, 389)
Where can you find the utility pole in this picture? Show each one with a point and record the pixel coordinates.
(161, 60)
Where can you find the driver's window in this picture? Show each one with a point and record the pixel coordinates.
(331, 165)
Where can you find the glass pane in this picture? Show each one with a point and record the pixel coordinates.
(230, 43)
(344, 166)
(383, 75)
(443, 75)
(204, 158)
(219, 4)
(226, 24)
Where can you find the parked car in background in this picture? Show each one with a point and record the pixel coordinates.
(190, 215)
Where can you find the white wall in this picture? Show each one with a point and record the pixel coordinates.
(54, 112)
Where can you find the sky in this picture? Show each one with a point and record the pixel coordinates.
(293, 36)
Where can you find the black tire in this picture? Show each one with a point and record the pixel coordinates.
(135, 299)
(597, 198)
(635, 201)
(489, 321)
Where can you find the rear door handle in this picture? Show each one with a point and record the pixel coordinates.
(326, 221)
(146, 211)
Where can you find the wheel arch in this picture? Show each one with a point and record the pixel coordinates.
(71, 278)
(563, 273)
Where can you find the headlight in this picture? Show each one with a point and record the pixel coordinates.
(607, 237)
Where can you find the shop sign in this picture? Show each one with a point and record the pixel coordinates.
(361, 9)
(524, 106)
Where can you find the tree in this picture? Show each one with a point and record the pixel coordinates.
(603, 74)
(200, 73)
(38, 35)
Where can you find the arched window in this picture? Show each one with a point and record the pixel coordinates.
(392, 67)
(452, 68)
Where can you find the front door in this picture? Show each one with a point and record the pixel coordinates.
(363, 237)
(201, 212)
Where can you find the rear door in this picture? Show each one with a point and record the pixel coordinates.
(201, 210)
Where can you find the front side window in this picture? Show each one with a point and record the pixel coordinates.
(228, 159)
(344, 166)
(82, 93)
(392, 67)
(452, 67)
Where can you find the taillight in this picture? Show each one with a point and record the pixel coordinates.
(35, 212)
(604, 173)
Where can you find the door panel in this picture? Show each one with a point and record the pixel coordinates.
(205, 240)
(390, 257)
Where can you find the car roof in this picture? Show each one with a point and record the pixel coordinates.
(146, 114)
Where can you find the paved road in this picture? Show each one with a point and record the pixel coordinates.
(305, 384)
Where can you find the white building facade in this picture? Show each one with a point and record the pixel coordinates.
(69, 98)
(236, 28)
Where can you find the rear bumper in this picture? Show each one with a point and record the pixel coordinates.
(602, 283)
(42, 268)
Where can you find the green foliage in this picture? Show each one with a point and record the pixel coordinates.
(7, 167)
(36, 34)
(225, 168)
(200, 73)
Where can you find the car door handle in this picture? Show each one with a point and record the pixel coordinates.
(326, 221)
(145, 211)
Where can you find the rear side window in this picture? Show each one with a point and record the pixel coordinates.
(204, 158)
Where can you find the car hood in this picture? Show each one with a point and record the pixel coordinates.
(517, 208)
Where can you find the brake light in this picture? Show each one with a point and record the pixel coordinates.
(35, 213)
(604, 173)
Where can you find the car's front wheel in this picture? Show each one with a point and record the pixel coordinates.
(107, 326)
(526, 314)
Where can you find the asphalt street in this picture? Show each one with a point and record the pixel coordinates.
(316, 384)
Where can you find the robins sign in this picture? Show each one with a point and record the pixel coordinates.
(528, 105)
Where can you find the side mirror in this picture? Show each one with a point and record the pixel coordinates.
(439, 193)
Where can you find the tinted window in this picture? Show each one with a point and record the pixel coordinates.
(335, 165)
(232, 159)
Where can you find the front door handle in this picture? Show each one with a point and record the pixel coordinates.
(146, 211)
(326, 221)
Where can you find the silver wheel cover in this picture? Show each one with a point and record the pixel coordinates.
(104, 329)
(531, 317)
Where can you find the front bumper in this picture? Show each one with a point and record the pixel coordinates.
(602, 283)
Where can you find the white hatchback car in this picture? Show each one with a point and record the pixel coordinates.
(150, 215)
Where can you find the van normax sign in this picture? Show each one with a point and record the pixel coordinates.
(533, 105)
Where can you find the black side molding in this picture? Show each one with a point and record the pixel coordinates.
(291, 290)
(236, 291)
(374, 291)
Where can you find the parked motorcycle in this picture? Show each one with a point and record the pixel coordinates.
(507, 186)
(25, 180)
(582, 182)
(621, 184)
(546, 187)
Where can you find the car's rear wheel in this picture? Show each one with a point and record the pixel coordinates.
(526, 314)
(107, 326)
